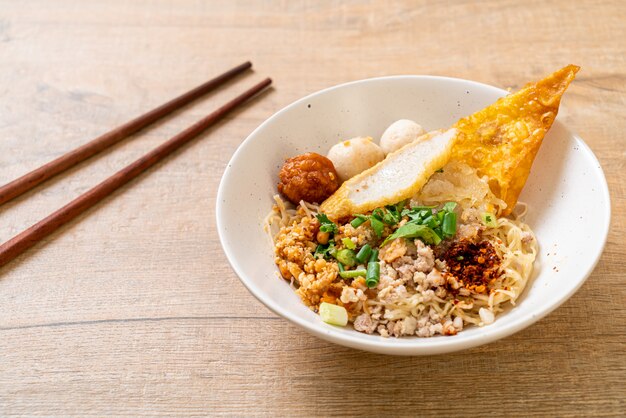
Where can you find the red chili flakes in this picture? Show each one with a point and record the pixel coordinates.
(475, 266)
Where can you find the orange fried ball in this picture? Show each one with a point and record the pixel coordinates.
(310, 177)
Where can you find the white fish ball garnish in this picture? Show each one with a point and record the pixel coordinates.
(486, 316)
(400, 133)
(355, 155)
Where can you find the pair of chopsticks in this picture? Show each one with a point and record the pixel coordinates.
(28, 238)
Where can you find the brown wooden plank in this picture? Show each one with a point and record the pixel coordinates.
(122, 313)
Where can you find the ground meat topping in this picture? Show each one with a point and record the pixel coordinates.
(474, 266)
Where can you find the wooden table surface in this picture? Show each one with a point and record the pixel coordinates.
(133, 310)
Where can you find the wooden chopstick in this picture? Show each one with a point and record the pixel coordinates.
(23, 241)
(30, 180)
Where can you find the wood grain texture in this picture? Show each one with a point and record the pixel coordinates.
(133, 310)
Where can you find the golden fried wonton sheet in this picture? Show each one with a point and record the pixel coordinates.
(502, 140)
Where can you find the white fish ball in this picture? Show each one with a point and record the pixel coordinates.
(354, 156)
(400, 133)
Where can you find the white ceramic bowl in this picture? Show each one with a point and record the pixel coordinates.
(567, 194)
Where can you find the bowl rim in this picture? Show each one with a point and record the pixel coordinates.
(385, 345)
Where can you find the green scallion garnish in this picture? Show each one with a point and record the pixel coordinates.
(374, 256)
(346, 257)
(373, 274)
(448, 226)
(351, 274)
(377, 226)
(431, 222)
(359, 220)
(378, 213)
(364, 253)
(348, 243)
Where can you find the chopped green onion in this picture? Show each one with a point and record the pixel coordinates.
(448, 227)
(333, 314)
(489, 219)
(377, 226)
(449, 206)
(374, 256)
(371, 283)
(373, 274)
(378, 213)
(346, 257)
(358, 221)
(326, 225)
(351, 274)
(376, 221)
(348, 243)
(431, 222)
(440, 215)
(364, 253)
(341, 268)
